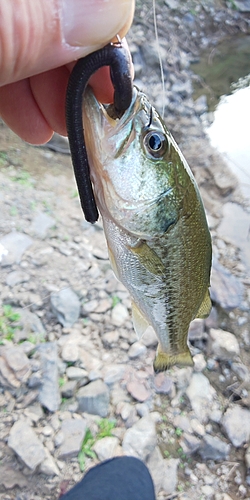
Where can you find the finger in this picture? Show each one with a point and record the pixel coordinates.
(38, 35)
(21, 113)
(49, 91)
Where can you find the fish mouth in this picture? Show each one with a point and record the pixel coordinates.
(107, 114)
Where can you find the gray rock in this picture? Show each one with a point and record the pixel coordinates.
(68, 389)
(197, 427)
(182, 422)
(242, 5)
(202, 397)
(106, 448)
(58, 143)
(150, 52)
(149, 338)
(163, 472)
(196, 330)
(208, 491)
(119, 314)
(155, 463)
(138, 390)
(136, 350)
(10, 477)
(189, 443)
(128, 413)
(58, 439)
(110, 338)
(142, 409)
(17, 361)
(73, 431)
(235, 228)
(224, 345)
(48, 465)
(182, 88)
(15, 244)
(199, 362)
(35, 380)
(76, 373)
(170, 479)
(16, 277)
(94, 398)
(89, 361)
(29, 323)
(163, 384)
(114, 373)
(200, 105)
(49, 395)
(66, 306)
(70, 352)
(34, 412)
(41, 223)
(236, 424)
(247, 459)
(27, 347)
(213, 448)
(226, 289)
(25, 443)
(140, 440)
(172, 4)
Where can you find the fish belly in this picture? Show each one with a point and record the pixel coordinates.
(168, 280)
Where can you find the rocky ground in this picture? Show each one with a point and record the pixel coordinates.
(76, 386)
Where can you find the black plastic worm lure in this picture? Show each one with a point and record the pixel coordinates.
(115, 56)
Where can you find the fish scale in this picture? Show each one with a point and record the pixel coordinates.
(154, 222)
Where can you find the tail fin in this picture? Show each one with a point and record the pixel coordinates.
(163, 361)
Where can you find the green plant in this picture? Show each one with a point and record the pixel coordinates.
(166, 453)
(86, 450)
(115, 300)
(74, 194)
(13, 210)
(47, 205)
(61, 381)
(178, 431)
(105, 428)
(23, 178)
(7, 320)
(35, 338)
(33, 205)
(181, 453)
(3, 158)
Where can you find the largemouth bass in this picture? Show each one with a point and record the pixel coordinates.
(154, 221)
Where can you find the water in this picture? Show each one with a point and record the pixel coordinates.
(225, 74)
(230, 134)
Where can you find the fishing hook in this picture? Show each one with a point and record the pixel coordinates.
(115, 56)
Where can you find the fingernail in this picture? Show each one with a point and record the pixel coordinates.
(91, 23)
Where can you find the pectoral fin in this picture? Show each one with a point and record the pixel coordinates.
(140, 323)
(163, 361)
(148, 258)
(205, 307)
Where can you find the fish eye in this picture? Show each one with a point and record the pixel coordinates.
(155, 144)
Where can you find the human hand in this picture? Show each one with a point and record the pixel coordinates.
(39, 40)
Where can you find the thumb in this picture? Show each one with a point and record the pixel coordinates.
(38, 35)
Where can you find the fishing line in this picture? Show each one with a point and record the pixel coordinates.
(160, 59)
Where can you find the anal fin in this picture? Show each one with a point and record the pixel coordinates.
(139, 321)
